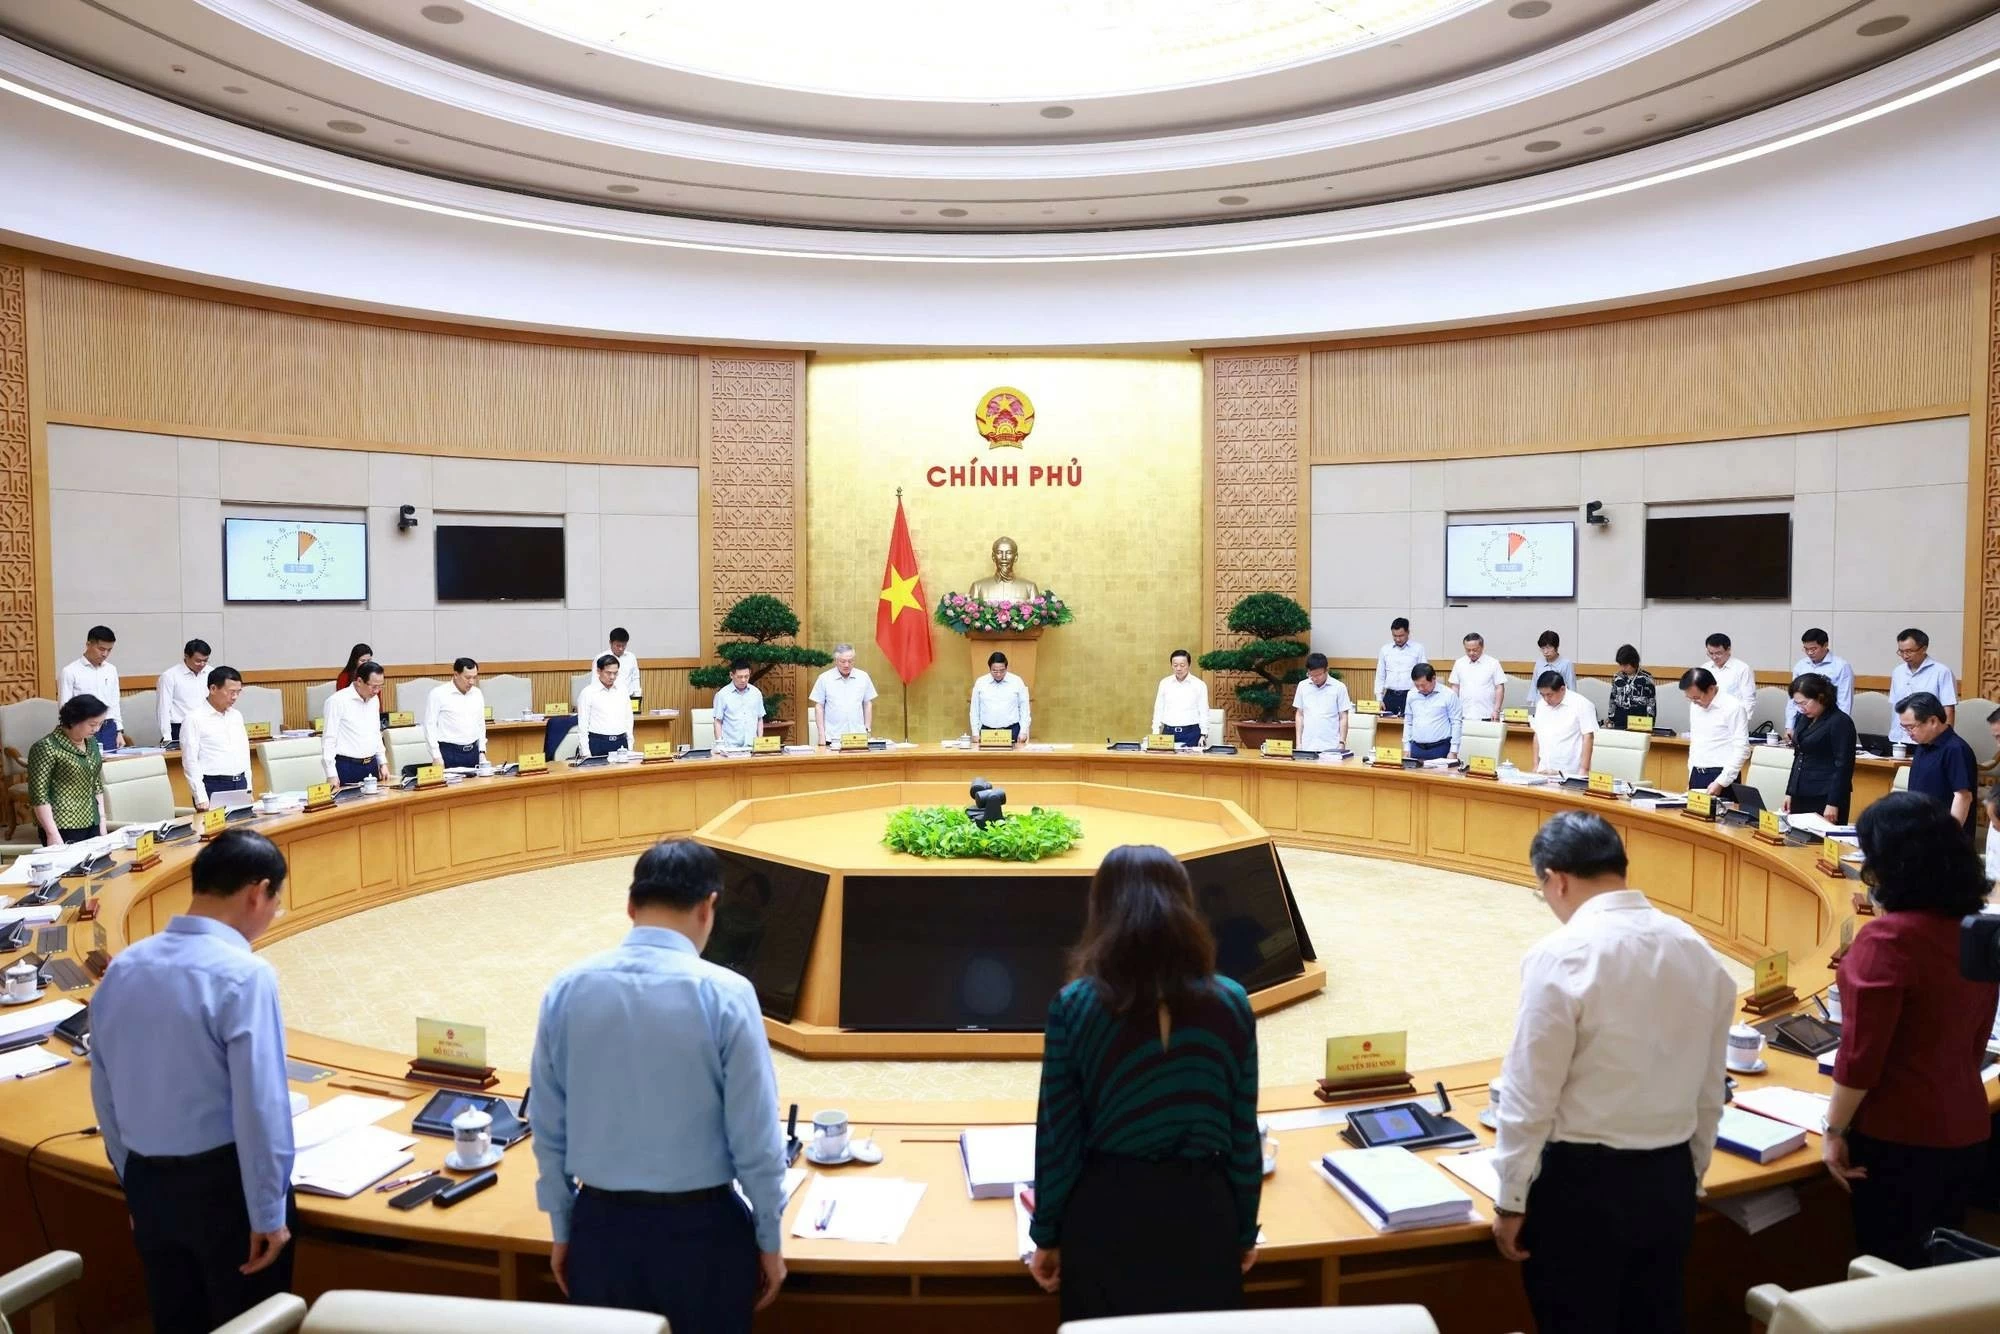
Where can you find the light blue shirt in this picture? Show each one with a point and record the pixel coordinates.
(739, 716)
(1561, 664)
(1432, 717)
(651, 1073)
(187, 1053)
(999, 703)
(1837, 671)
(1930, 675)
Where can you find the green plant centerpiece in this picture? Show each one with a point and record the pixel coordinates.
(947, 831)
(762, 620)
(1273, 623)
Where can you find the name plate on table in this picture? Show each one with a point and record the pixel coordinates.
(1634, 723)
(451, 1054)
(555, 708)
(430, 775)
(1482, 766)
(319, 726)
(1368, 706)
(1157, 741)
(488, 715)
(1769, 827)
(1358, 1062)
(403, 719)
(774, 744)
(1389, 755)
(852, 741)
(635, 706)
(144, 855)
(214, 820)
(996, 736)
(659, 750)
(257, 731)
(1701, 806)
(1278, 750)
(1830, 852)
(319, 796)
(1513, 715)
(1770, 984)
(1601, 784)
(534, 762)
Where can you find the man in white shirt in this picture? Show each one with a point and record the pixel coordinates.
(627, 683)
(739, 709)
(215, 748)
(455, 719)
(1565, 727)
(604, 711)
(1917, 671)
(1321, 707)
(843, 698)
(1481, 682)
(1610, 1096)
(93, 674)
(1180, 705)
(999, 700)
(1833, 667)
(1731, 672)
(182, 688)
(1718, 733)
(351, 749)
(1392, 666)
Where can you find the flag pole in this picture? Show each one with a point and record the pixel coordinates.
(899, 674)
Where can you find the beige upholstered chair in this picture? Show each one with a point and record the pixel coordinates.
(1970, 723)
(1598, 692)
(355, 1312)
(1770, 772)
(138, 791)
(569, 747)
(1670, 707)
(1771, 702)
(1621, 754)
(704, 727)
(262, 704)
(1361, 732)
(1881, 1298)
(406, 745)
(1901, 782)
(577, 681)
(34, 1283)
(1212, 730)
(1871, 712)
(316, 698)
(1482, 736)
(291, 765)
(140, 713)
(22, 724)
(413, 694)
(508, 696)
(1280, 1320)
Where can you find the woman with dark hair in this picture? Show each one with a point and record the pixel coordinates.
(1148, 1163)
(1906, 1131)
(357, 655)
(1822, 781)
(66, 774)
(1633, 694)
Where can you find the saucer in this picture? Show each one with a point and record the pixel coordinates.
(456, 1164)
(1488, 1118)
(24, 1000)
(847, 1156)
(1756, 1069)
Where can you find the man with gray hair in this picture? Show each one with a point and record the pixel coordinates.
(843, 698)
(1610, 1095)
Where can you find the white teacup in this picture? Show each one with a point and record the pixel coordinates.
(830, 1136)
(21, 982)
(1746, 1047)
(472, 1135)
(369, 784)
(483, 769)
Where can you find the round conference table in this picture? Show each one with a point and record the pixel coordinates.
(955, 1267)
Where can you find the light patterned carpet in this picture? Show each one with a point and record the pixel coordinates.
(1408, 947)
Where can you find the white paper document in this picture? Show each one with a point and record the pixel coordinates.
(1759, 1209)
(995, 1158)
(1795, 1107)
(1475, 1168)
(29, 1061)
(872, 1209)
(36, 1020)
(337, 1116)
(1393, 1189)
(40, 913)
(351, 1162)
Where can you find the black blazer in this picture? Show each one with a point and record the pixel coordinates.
(1823, 758)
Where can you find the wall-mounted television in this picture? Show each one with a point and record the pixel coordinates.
(1509, 560)
(476, 563)
(1743, 557)
(294, 560)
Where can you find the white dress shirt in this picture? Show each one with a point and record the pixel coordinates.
(842, 699)
(1930, 674)
(627, 683)
(1481, 686)
(1560, 729)
(606, 712)
(999, 703)
(181, 692)
(1837, 672)
(353, 729)
(1736, 678)
(213, 745)
(1620, 1041)
(1180, 703)
(739, 716)
(80, 678)
(1392, 666)
(1719, 736)
(458, 717)
(1318, 710)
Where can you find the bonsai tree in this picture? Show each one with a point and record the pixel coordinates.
(1272, 621)
(762, 620)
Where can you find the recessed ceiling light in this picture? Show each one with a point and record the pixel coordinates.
(235, 88)
(1883, 26)
(907, 212)
(1232, 199)
(1650, 116)
(178, 69)
(1593, 129)
(951, 213)
(1058, 113)
(1530, 9)
(347, 126)
(623, 189)
(1544, 145)
(442, 14)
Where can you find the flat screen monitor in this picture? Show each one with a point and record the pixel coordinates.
(490, 564)
(1509, 560)
(765, 919)
(1243, 897)
(294, 560)
(1737, 556)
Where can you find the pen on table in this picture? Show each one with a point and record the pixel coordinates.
(825, 1216)
(410, 1180)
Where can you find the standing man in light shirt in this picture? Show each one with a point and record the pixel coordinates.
(1180, 705)
(1731, 672)
(843, 698)
(1917, 671)
(654, 1090)
(93, 674)
(1607, 1115)
(351, 748)
(1818, 660)
(739, 709)
(1392, 666)
(1321, 707)
(187, 1076)
(1718, 733)
(182, 687)
(604, 712)
(1432, 718)
(455, 719)
(1481, 682)
(1565, 727)
(215, 748)
(627, 682)
(1000, 699)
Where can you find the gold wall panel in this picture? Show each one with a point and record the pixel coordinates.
(1124, 548)
(20, 667)
(1985, 519)
(1258, 527)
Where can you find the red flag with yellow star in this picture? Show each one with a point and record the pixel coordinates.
(902, 621)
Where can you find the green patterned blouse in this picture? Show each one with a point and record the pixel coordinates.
(66, 778)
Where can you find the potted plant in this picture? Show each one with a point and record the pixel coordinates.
(1271, 623)
(762, 620)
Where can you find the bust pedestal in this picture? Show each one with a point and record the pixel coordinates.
(1018, 645)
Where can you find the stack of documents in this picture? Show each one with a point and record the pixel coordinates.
(873, 1209)
(29, 1061)
(33, 1023)
(1759, 1209)
(1758, 1138)
(1819, 826)
(351, 1161)
(1794, 1107)
(1475, 1168)
(337, 1116)
(1394, 1190)
(996, 1160)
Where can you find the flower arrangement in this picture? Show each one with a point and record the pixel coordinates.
(946, 831)
(965, 614)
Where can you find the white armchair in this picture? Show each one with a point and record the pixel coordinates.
(412, 694)
(316, 698)
(262, 704)
(292, 765)
(406, 746)
(1621, 754)
(138, 791)
(1482, 736)
(34, 1283)
(508, 696)
(140, 712)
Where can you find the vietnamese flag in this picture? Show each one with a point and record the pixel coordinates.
(902, 621)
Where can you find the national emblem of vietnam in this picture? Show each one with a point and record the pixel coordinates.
(1004, 416)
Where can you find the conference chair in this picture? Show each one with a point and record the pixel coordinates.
(1770, 708)
(1871, 712)
(1879, 1297)
(1482, 736)
(1901, 782)
(1398, 1319)
(31, 1287)
(138, 791)
(22, 724)
(406, 745)
(1770, 772)
(812, 729)
(1621, 754)
(142, 718)
(1520, 692)
(1670, 706)
(704, 727)
(570, 746)
(262, 704)
(1361, 732)
(577, 681)
(1211, 731)
(316, 698)
(508, 696)
(353, 1311)
(291, 764)
(411, 694)
(1597, 692)
(1970, 723)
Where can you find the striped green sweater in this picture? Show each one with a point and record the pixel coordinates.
(1108, 1086)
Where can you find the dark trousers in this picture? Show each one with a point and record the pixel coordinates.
(215, 783)
(350, 771)
(603, 743)
(1909, 1189)
(1607, 1237)
(174, 733)
(1189, 735)
(458, 757)
(694, 1263)
(1393, 700)
(80, 834)
(1146, 1238)
(1814, 803)
(107, 735)
(1430, 750)
(192, 1232)
(1699, 779)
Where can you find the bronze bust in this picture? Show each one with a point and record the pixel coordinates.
(1005, 585)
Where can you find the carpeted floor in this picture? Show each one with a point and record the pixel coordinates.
(1408, 947)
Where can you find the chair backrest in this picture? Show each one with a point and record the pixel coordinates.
(1361, 732)
(354, 1312)
(1970, 723)
(1621, 754)
(1670, 706)
(1278, 1320)
(1946, 1299)
(262, 704)
(406, 745)
(140, 711)
(291, 764)
(316, 698)
(1482, 736)
(570, 746)
(411, 695)
(577, 681)
(1769, 771)
(508, 696)
(1520, 692)
(25, 722)
(1212, 727)
(812, 728)
(1597, 691)
(1871, 711)
(703, 721)
(1901, 782)
(137, 791)
(1771, 703)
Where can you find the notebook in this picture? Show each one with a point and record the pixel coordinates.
(336, 1116)
(1795, 1107)
(996, 1159)
(1758, 1138)
(1394, 1190)
(351, 1162)
(1475, 1168)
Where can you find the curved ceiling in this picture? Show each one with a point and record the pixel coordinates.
(1067, 116)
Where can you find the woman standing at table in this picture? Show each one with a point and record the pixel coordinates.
(1633, 694)
(1148, 1163)
(1906, 1130)
(66, 774)
(1822, 781)
(357, 655)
